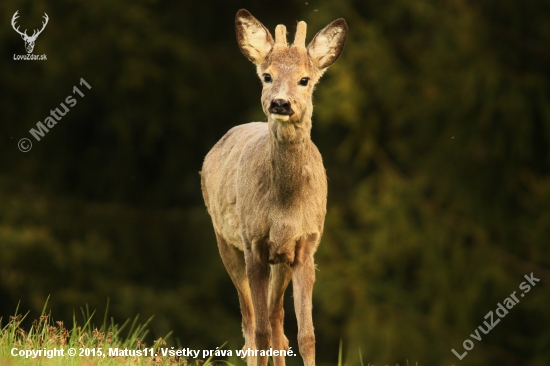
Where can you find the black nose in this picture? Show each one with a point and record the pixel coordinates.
(280, 106)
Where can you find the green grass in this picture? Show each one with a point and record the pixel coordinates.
(45, 333)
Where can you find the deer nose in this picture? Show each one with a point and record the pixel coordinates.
(281, 106)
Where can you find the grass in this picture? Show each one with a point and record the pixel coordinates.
(85, 339)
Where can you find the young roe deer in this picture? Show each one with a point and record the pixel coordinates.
(265, 186)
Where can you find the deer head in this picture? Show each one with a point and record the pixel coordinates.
(29, 40)
(289, 72)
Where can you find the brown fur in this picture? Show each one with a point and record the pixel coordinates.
(265, 188)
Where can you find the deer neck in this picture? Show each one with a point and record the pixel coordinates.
(289, 150)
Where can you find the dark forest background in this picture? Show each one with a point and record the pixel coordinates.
(434, 126)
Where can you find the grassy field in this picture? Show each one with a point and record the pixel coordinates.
(48, 342)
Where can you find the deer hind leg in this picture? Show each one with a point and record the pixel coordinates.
(280, 277)
(234, 262)
(257, 270)
(303, 277)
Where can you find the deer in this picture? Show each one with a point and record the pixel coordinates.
(265, 187)
(29, 40)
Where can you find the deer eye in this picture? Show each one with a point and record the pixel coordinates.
(267, 78)
(303, 81)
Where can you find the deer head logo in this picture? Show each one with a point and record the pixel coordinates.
(29, 40)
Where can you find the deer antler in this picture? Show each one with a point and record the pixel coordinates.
(15, 16)
(24, 34)
(35, 34)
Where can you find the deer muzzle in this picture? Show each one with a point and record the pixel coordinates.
(280, 108)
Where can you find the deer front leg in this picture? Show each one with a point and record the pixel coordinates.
(257, 270)
(280, 277)
(233, 260)
(303, 277)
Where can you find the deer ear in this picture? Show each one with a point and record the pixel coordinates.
(328, 44)
(253, 38)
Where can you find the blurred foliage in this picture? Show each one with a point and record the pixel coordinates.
(434, 126)
(435, 129)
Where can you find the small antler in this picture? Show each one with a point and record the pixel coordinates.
(300, 37)
(280, 35)
(13, 20)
